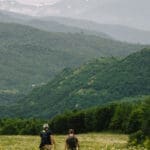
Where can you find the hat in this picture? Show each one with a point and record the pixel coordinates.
(45, 126)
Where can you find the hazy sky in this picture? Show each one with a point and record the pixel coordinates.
(135, 13)
(36, 2)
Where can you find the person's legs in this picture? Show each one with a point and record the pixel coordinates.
(42, 148)
(47, 147)
(72, 149)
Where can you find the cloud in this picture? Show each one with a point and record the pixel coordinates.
(31, 7)
(38, 2)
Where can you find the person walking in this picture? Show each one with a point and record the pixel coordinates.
(71, 142)
(47, 139)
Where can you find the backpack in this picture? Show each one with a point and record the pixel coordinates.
(72, 142)
(45, 138)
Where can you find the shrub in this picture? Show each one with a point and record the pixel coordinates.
(137, 138)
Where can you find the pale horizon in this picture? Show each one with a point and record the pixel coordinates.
(132, 13)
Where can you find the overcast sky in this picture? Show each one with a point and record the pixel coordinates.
(135, 13)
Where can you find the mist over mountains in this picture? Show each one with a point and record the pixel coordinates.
(121, 20)
(69, 25)
(104, 11)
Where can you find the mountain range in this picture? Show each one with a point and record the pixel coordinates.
(30, 57)
(98, 82)
(61, 24)
(118, 32)
(40, 59)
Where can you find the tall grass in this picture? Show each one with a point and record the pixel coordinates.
(90, 141)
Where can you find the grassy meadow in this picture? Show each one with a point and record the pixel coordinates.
(92, 141)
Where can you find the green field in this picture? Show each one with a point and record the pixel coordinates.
(102, 141)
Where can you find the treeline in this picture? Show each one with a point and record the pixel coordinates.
(20, 126)
(123, 117)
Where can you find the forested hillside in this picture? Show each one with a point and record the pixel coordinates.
(30, 57)
(98, 82)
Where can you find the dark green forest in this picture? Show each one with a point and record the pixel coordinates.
(98, 82)
(123, 117)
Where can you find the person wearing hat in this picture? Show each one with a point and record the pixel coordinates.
(47, 139)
